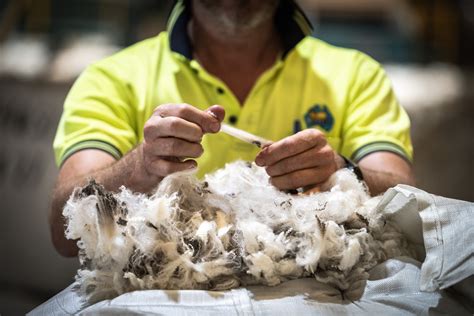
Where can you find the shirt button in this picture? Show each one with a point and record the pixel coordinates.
(232, 119)
(220, 90)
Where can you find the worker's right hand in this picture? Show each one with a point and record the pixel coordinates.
(173, 134)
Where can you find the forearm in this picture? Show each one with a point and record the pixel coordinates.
(380, 181)
(384, 170)
(105, 170)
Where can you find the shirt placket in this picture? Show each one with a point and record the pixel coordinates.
(218, 93)
(255, 103)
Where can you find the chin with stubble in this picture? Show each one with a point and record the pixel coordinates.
(237, 15)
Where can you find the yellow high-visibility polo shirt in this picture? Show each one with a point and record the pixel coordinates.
(341, 92)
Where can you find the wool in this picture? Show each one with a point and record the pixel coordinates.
(231, 229)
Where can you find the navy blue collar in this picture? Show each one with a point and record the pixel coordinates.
(291, 23)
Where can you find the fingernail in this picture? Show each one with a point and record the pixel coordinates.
(213, 114)
(259, 161)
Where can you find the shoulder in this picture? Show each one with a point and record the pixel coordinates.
(133, 60)
(330, 59)
(121, 74)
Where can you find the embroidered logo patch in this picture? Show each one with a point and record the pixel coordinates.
(319, 115)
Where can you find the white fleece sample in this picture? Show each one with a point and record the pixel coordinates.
(229, 230)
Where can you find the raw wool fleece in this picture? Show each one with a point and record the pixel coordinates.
(231, 229)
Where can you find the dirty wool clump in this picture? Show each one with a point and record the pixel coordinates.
(229, 230)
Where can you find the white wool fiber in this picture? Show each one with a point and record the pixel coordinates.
(231, 229)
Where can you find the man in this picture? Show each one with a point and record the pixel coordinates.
(146, 112)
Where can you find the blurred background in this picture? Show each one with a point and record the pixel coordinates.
(426, 46)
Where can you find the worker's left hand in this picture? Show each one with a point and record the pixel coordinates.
(301, 160)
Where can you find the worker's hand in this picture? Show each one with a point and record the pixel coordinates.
(173, 134)
(301, 160)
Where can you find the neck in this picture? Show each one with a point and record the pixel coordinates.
(237, 53)
(214, 39)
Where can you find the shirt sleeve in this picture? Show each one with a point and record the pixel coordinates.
(98, 114)
(374, 120)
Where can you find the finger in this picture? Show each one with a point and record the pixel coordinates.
(313, 157)
(301, 178)
(217, 111)
(208, 122)
(290, 146)
(171, 126)
(173, 147)
(163, 167)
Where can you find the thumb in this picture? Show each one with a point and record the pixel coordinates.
(217, 111)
